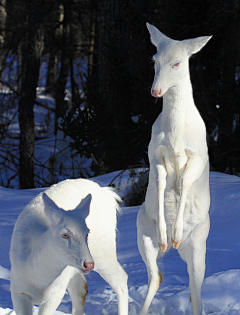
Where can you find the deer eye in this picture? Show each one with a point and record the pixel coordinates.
(176, 65)
(66, 236)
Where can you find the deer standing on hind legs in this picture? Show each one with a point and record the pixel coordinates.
(175, 211)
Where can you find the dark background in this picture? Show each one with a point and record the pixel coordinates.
(111, 121)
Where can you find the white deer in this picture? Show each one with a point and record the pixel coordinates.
(175, 211)
(53, 248)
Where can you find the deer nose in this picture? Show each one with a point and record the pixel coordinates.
(156, 93)
(88, 265)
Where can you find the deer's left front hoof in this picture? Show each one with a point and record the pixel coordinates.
(176, 244)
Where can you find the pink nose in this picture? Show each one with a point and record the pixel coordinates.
(88, 266)
(156, 93)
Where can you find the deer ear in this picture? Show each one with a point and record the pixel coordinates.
(194, 45)
(48, 202)
(52, 211)
(155, 35)
(84, 207)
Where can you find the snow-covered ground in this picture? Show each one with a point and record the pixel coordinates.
(221, 287)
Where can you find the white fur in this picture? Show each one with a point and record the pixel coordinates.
(43, 267)
(175, 211)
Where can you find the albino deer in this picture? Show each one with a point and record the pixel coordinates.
(175, 211)
(53, 248)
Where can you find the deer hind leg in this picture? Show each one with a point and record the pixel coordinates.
(149, 250)
(194, 169)
(116, 277)
(78, 290)
(193, 252)
(107, 265)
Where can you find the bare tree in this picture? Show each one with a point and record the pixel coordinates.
(65, 18)
(31, 56)
(51, 37)
(3, 15)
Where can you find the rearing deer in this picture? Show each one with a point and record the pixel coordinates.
(175, 211)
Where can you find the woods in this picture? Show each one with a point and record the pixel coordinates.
(92, 60)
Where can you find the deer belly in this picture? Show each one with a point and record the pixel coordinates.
(171, 204)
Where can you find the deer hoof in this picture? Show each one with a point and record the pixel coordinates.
(176, 244)
(163, 247)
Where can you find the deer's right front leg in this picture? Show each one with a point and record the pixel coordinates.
(22, 303)
(161, 186)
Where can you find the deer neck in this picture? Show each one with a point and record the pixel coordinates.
(177, 104)
(177, 101)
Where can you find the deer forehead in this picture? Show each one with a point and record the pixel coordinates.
(170, 51)
(76, 226)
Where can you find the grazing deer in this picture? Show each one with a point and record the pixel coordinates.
(53, 248)
(175, 211)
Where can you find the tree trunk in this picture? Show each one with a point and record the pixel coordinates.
(65, 64)
(51, 42)
(91, 46)
(51, 74)
(30, 73)
(3, 15)
(109, 88)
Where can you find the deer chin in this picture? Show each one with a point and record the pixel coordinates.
(85, 271)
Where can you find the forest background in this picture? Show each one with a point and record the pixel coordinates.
(110, 111)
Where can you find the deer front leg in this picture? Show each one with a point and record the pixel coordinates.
(22, 303)
(161, 185)
(55, 292)
(193, 171)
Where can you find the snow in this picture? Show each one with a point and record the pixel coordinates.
(221, 287)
